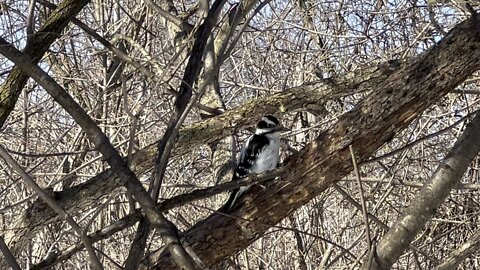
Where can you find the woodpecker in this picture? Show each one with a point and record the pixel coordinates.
(259, 154)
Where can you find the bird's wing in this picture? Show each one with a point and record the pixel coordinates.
(249, 153)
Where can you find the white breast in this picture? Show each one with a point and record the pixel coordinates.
(268, 158)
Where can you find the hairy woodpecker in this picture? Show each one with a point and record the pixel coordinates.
(259, 154)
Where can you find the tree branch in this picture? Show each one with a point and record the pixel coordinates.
(36, 47)
(403, 96)
(95, 263)
(310, 96)
(428, 199)
(130, 219)
(100, 140)
(119, 225)
(461, 253)
(8, 255)
(165, 145)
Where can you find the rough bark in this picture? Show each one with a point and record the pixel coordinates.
(192, 71)
(398, 100)
(35, 49)
(310, 96)
(428, 199)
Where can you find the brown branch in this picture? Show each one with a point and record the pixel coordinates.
(166, 205)
(30, 18)
(119, 225)
(362, 198)
(199, 194)
(310, 96)
(8, 255)
(375, 219)
(95, 263)
(36, 47)
(165, 145)
(118, 53)
(428, 199)
(184, 26)
(417, 184)
(302, 251)
(422, 139)
(98, 138)
(399, 99)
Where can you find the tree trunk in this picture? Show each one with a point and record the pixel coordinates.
(375, 120)
(309, 96)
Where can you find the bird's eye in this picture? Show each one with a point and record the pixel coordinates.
(270, 125)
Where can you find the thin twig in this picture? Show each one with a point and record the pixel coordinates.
(466, 186)
(316, 236)
(177, 21)
(183, 105)
(53, 204)
(101, 234)
(210, 191)
(362, 198)
(380, 223)
(30, 20)
(126, 176)
(429, 136)
(123, 56)
(8, 255)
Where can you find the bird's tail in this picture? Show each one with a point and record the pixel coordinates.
(232, 199)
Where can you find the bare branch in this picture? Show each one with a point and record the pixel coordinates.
(429, 198)
(38, 45)
(181, 111)
(8, 255)
(119, 225)
(453, 260)
(95, 263)
(362, 198)
(396, 102)
(97, 137)
(30, 20)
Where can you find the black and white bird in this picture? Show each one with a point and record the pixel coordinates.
(259, 154)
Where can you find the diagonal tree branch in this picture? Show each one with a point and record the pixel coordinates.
(36, 47)
(94, 261)
(9, 258)
(55, 258)
(398, 100)
(126, 176)
(182, 109)
(118, 52)
(130, 219)
(309, 97)
(428, 199)
(453, 260)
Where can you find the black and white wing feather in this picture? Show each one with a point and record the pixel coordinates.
(249, 155)
(247, 164)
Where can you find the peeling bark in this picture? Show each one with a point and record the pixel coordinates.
(403, 96)
(310, 96)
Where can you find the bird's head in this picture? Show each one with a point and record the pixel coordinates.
(269, 125)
